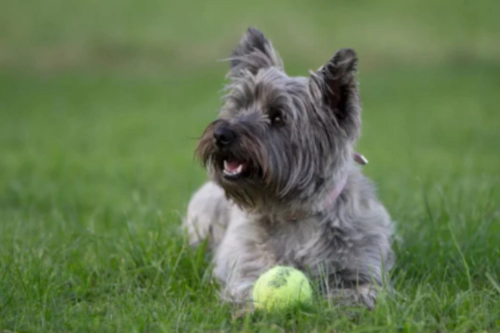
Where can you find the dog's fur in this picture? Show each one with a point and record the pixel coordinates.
(295, 138)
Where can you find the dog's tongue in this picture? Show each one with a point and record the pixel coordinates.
(232, 166)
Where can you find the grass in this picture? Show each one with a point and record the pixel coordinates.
(100, 107)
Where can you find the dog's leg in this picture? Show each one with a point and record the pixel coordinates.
(241, 258)
(359, 285)
(207, 216)
(365, 294)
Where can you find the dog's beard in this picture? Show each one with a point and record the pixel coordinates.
(241, 178)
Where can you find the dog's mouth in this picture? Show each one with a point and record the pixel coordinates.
(233, 169)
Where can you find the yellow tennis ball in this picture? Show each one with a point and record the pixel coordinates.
(281, 287)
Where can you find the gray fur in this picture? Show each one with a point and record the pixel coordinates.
(296, 137)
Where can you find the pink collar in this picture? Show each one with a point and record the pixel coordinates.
(332, 196)
(334, 193)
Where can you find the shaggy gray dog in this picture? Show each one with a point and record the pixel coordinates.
(285, 188)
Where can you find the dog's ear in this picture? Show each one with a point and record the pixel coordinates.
(335, 87)
(253, 52)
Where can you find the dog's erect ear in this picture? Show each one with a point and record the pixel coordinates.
(334, 86)
(253, 52)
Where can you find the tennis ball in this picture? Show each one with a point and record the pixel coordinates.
(281, 287)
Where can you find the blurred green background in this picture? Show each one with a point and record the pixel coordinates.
(101, 103)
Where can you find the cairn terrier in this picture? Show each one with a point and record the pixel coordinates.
(285, 188)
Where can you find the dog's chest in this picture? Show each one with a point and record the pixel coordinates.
(296, 243)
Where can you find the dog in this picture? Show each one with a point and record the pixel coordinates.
(285, 188)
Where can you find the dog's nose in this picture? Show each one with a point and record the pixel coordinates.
(223, 136)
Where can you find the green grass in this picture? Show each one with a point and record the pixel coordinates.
(100, 107)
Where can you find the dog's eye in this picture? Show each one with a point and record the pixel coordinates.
(276, 118)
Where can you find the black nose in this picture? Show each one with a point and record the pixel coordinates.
(223, 136)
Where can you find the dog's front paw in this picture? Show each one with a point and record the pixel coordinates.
(367, 295)
(360, 295)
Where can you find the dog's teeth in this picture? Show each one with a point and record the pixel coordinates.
(232, 172)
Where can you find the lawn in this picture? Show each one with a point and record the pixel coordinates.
(101, 103)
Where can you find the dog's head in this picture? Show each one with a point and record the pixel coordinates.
(281, 140)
